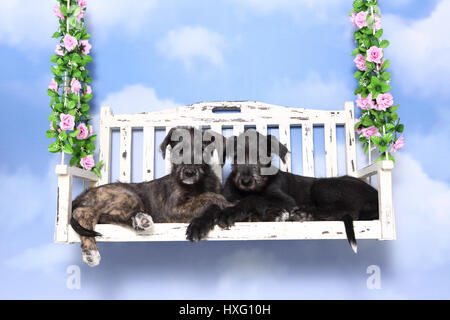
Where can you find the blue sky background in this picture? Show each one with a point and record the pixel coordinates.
(155, 54)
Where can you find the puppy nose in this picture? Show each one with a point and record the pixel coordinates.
(189, 172)
(246, 181)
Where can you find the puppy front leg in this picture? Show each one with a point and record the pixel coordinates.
(87, 218)
(200, 226)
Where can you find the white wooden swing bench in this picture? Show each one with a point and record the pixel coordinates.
(246, 113)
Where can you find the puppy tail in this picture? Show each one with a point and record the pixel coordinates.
(348, 222)
(82, 231)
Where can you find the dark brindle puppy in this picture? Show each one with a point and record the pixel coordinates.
(178, 197)
(284, 196)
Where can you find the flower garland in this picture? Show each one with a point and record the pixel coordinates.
(379, 124)
(70, 88)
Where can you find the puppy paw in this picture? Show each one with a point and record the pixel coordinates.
(142, 222)
(91, 257)
(283, 216)
(197, 230)
(301, 216)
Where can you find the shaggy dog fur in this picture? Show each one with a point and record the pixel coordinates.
(286, 196)
(178, 197)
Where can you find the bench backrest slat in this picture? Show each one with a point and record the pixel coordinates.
(213, 115)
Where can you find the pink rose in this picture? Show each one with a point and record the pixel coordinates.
(365, 103)
(377, 23)
(59, 50)
(85, 46)
(384, 101)
(75, 85)
(70, 42)
(53, 85)
(87, 162)
(400, 143)
(360, 62)
(51, 127)
(88, 89)
(80, 15)
(67, 121)
(57, 12)
(361, 19)
(84, 132)
(352, 19)
(370, 131)
(82, 3)
(374, 54)
(91, 130)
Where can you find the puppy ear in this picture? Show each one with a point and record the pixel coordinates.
(276, 147)
(167, 141)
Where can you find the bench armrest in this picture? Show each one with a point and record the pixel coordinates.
(383, 169)
(64, 207)
(62, 169)
(374, 168)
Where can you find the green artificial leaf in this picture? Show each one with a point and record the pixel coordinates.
(68, 149)
(390, 126)
(54, 58)
(75, 133)
(376, 140)
(97, 172)
(50, 134)
(358, 74)
(379, 33)
(87, 59)
(87, 97)
(388, 137)
(385, 87)
(400, 128)
(54, 147)
(71, 104)
(74, 161)
(386, 76)
(84, 107)
(393, 108)
(385, 65)
(59, 107)
(355, 52)
(384, 44)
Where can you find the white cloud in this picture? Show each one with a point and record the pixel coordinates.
(420, 51)
(314, 91)
(30, 24)
(422, 210)
(190, 43)
(23, 198)
(45, 258)
(130, 15)
(137, 98)
(27, 23)
(431, 146)
(250, 270)
(320, 9)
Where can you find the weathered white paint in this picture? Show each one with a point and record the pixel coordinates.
(125, 154)
(350, 144)
(330, 147)
(250, 114)
(285, 138)
(241, 231)
(308, 149)
(148, 172)
(64, 197)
